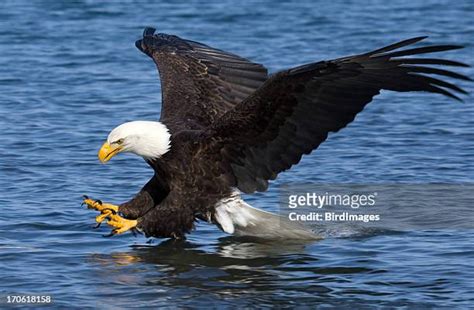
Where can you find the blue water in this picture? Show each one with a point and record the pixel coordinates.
(69, 73)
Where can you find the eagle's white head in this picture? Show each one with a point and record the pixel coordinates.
(144, 138)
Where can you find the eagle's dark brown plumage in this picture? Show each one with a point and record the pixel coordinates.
(233, 126)
(198, 83)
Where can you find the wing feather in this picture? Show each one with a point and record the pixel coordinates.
(293, 112)
(199, 83)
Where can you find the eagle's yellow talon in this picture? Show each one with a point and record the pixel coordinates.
(121, 225)
(105, 213)
(99, 206)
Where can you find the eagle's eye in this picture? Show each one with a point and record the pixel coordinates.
(119, 141)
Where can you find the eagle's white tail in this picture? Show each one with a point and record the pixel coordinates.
(234, 216)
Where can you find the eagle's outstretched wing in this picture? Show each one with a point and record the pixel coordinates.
(198, 83)
(293, 112)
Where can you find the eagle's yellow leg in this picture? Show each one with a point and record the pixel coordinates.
(99, 205)
(121, 225)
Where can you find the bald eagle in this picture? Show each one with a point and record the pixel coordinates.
(227, 127)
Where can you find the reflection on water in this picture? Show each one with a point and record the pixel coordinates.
(233, 267)
(228, 252)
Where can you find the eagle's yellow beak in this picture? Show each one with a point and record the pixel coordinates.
(108, 151)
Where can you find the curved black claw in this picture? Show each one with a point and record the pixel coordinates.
(97, 225)
(84, 198)
(112, 233)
